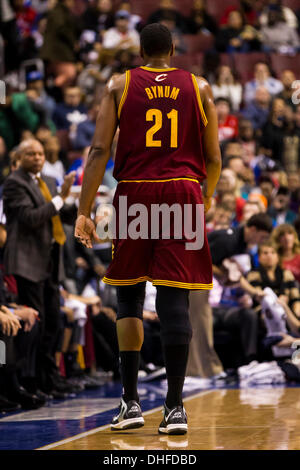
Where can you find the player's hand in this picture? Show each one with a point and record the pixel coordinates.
(85, 231)
(207, 203)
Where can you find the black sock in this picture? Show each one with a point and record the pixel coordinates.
(129, 368)
(176, 357)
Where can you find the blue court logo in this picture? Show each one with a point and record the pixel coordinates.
(2, 353)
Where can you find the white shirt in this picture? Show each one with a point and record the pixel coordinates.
(112, 38)
(55, 170)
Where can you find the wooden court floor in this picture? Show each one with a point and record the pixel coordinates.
(239, 419)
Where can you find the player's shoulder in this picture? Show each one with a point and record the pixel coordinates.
(204, 88)
(116, 83)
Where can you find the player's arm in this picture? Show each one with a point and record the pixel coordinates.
(106, 125)
(210, 142)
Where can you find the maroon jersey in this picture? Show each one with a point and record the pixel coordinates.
(161, 126)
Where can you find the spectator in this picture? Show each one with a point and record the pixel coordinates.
(287, 79)
(274, 131)
(203, 359)
(287, 14)
(121, 37)
(4, 161)
(35, 83)
(267, 187)
(247, 140)
(168, 7)
(286, 240)
(135, 21)
(257, 111)
(85, 130)
(53, 165)
(200, 21)
(16, 116)
(279, 210)
(282, 282)
(10, 34)
(99, 17)
(25, 15)
(31, 206)
(249, 209)
(249, 9)
(60, 43)
(277, 35)
(71, 111)
(227, 86)
(168, 20)
(228, 184)
(228, 124)
(236, 36)
(262, 78)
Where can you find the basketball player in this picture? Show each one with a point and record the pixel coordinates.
(168, 145)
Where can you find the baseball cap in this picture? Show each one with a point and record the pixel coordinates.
(34, 75)
(122, 14)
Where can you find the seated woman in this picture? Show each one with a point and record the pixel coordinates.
(287, 243)
(282, 282)
(237, 36)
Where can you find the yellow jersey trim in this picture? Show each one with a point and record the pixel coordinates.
(159, 181)
(202, 112)
(150, 69)
(125, 93)
(157, 282)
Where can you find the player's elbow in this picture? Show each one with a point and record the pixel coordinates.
(214, 158)
(98, 152)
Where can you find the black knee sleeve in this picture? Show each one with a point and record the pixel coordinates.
(172, 306)
(131, 301)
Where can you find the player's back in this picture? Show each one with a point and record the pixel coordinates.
(161, 126)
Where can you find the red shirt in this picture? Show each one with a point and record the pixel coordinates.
(25, 20)
(228, 129)
(294, 266)
(161, 126)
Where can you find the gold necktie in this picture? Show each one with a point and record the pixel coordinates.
(57, 228)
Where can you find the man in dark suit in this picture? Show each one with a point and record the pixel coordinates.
(33, 252)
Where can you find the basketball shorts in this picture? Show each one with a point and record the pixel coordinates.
(160, 235)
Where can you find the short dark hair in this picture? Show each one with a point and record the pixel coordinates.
(223, 99)
(261, 221)
(156, 40)
(283, 191)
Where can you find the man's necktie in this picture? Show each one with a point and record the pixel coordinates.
(57, 228)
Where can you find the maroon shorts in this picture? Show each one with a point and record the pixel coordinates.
(163, 258)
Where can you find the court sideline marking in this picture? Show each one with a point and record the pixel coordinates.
(106, 426)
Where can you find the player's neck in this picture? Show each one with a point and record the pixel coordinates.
(157, 62)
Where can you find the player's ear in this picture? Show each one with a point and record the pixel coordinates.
(172, 50)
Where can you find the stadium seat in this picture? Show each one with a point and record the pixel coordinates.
(185, 61)
(244, 64)
(226, 59)
(64, 141)
(184, 7)
(293, 4)
(199, 42)
(217, 8)
(144, 8)
(283, 62)
(74, 155)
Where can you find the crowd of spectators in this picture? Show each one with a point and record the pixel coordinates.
(55, 58)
